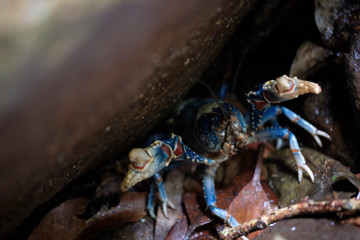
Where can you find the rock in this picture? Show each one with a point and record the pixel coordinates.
(352, 63)
(336, 21)
(330, 111)
(81, 82)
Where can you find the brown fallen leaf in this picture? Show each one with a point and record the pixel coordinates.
(193, 210)
(63, 222)
(252, 200)
(179, 229)
(225, 195)
(131, 231)
(131, 208)
(110, 185)
(194, 213)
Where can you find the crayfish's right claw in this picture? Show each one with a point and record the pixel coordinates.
(140, 168)
(144, 163)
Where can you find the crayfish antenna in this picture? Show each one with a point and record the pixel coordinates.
(215, 98)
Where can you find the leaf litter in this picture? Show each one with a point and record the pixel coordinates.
(191, 219)
(252, 201)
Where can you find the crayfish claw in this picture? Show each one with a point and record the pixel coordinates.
(164, 206)
(164, 209)
(300, 174)
(307, 169)
(323, 134)
(320, 133)
(318, 141)
(170, 204)
(151, 213)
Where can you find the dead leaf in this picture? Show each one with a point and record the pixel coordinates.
(193, 210)
(179, 229)
(130, 209)
(110, 185)
(252, 201)
(131, 231)
(62, 222)
(194, 213)
(226, 195)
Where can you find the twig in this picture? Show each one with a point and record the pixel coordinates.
(305, 207)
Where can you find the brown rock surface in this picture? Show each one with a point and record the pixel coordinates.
(81, 81)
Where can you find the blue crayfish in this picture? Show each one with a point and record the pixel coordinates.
(218, 131)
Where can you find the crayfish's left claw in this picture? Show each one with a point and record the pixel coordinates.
(286, 88)
(145, 162)
(141, 167)
(320, 133)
